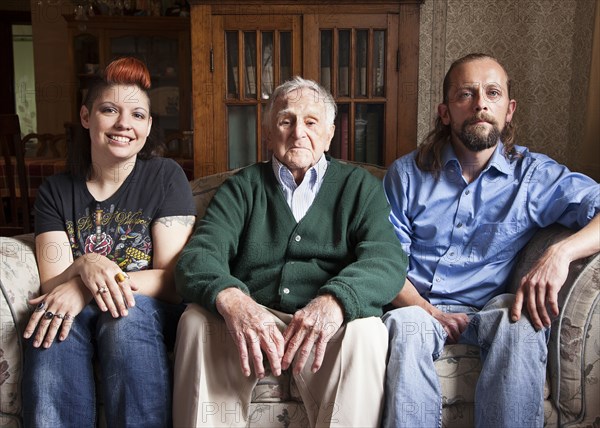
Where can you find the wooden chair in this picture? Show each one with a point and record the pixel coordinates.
(51, 146)
(15, 212)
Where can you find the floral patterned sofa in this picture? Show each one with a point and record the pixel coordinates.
(572, 393)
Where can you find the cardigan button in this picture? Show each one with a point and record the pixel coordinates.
(298, 238)
(286, 291)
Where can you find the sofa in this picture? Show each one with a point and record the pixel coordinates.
(572, 391)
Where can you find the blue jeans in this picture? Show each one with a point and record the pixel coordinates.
(58, 382)
(509, 392)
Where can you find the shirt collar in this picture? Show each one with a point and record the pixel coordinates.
(284, 176)
(498, 161)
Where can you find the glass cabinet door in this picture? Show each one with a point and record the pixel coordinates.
(354, 63)
(256, 57)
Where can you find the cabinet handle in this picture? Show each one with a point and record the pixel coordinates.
(212, 60)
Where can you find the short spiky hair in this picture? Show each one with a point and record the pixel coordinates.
(122, 71)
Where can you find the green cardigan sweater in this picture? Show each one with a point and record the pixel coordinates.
(344, 245)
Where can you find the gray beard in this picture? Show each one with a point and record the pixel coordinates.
(477, 143)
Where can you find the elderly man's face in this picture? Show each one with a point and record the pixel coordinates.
(299, 133)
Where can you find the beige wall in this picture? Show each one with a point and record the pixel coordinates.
(588, 160)
(545, 45)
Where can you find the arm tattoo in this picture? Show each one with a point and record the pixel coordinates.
(186, 220)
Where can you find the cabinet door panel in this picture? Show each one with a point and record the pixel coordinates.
(354, 60)
(252, 56)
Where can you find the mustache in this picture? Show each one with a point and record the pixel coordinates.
(482, 117)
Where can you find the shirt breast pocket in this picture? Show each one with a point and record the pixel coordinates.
(495, 241)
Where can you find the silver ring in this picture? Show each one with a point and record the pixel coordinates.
(102, 289)
(68, 317)
(49, 315)
(40, 307)
(59, 316)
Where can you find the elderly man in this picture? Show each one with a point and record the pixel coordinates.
(463, 205)
(289, 268)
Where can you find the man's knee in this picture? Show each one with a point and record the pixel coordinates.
(412, 324)
(495, 324)
(199, 325)
(367, 334)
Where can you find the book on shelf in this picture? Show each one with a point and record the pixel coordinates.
(344, 135)
(343, 81)
(373, 145)
(250, 80)
(360, 139)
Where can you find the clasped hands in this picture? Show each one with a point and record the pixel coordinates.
(254, 331)
(91, 276)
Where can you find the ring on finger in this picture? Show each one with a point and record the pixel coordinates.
(103, 289)
(40, 307)
(121, 277)
(68, 317)
(49, 315)
(59, 316)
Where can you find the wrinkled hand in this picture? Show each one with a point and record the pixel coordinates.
(60, 306)
(312, 327)
(253, 329)
(98, 274)
(453, 323)
(539, 288)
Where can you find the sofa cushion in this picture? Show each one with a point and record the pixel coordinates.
(17, 266)
(204, 188)
(458, 370)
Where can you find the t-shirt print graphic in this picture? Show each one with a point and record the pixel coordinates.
(99, 242)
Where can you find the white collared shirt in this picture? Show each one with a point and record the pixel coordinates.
(300, 197)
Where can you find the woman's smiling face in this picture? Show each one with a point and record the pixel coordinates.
(119, 123)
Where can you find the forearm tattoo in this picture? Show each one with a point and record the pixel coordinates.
(186, 220)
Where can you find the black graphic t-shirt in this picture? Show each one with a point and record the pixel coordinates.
(119, 227)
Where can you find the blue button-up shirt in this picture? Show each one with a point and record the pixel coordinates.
(462, 238)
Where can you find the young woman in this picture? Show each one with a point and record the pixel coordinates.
(108, 233)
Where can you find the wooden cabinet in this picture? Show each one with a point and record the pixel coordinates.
(364, 52)
(163, 43)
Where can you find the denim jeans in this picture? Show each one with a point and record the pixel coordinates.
(58, 383)
(509, 392)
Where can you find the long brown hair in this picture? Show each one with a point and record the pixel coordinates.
(429, 153)
(122, 71)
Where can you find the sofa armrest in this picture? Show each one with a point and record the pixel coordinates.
(574, 346)
(19, 281)
(19, 277)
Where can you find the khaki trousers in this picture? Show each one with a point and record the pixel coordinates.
(210, 390)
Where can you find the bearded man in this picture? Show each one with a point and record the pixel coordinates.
(463, 205)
